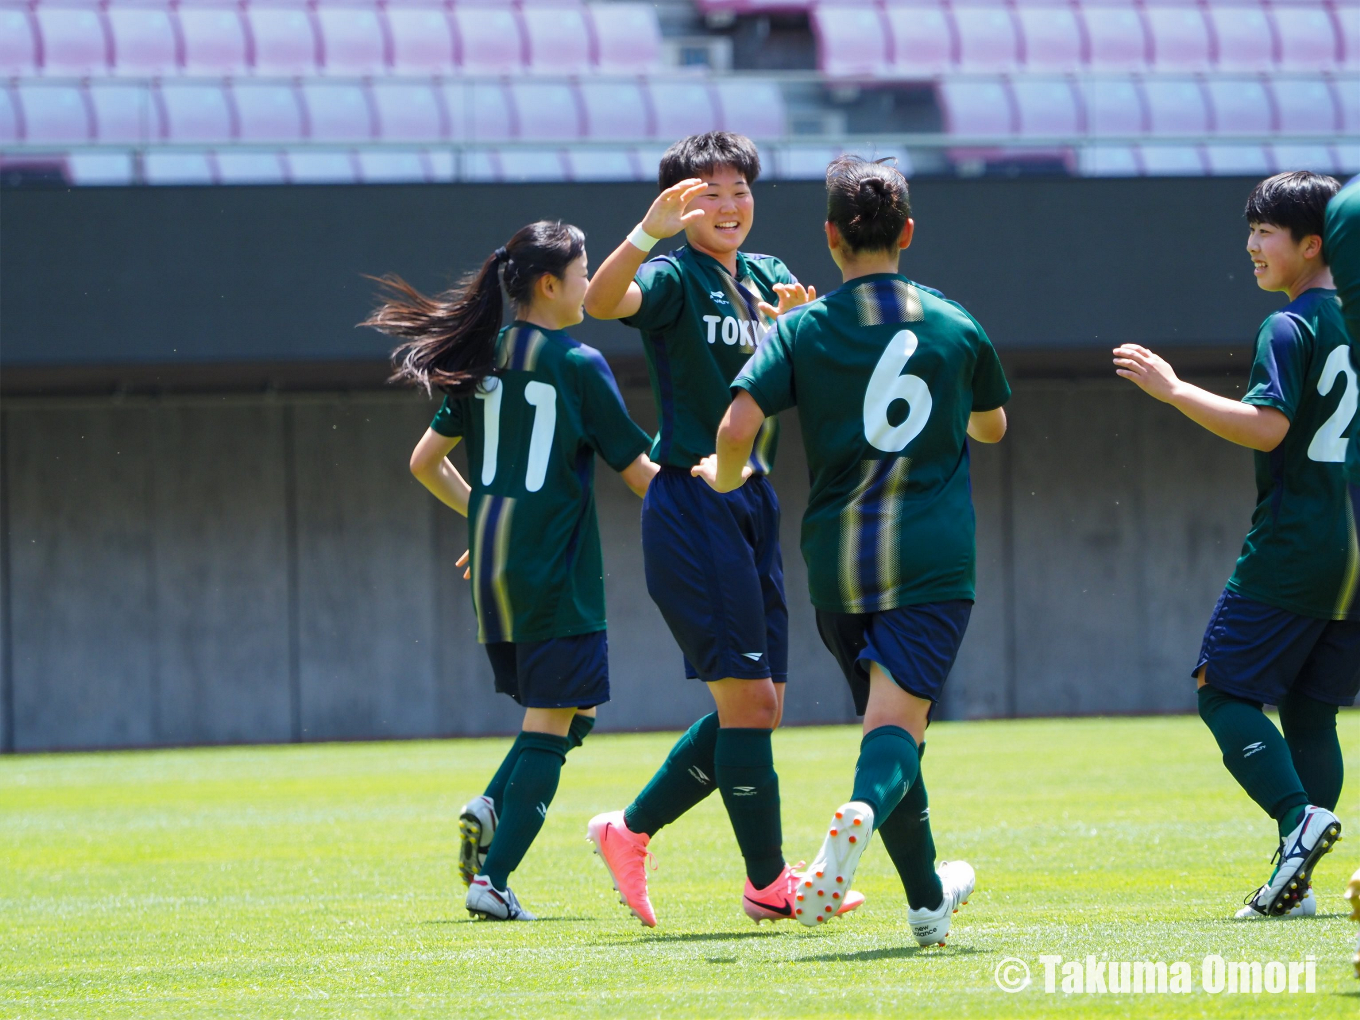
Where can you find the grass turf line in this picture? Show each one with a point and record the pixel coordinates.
(321, 881)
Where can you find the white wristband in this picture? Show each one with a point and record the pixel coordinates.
(642, 240)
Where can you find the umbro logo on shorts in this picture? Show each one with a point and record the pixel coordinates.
(753, 656)
(1251, 749)
(543, 810)
(698, 774)
(743, 791)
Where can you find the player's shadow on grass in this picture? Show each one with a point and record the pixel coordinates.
(888, 953)
(705, 936)
(473, 920)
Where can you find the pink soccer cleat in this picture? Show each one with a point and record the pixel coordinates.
(625, 854)
(778, 901)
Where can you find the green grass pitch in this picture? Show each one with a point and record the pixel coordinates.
(320, 881)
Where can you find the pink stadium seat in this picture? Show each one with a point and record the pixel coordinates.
(754, 109)
(18, 42)
(194, 112)
(144, 41)
(977, 108)
(988, 41)
(1244, 36)
(1348, 20)
(285, 40)
(1318, 158)
(1172, 160)
(1348, 98)
(337, 113)
(123, 112)
(627, 37)
(1113, 106)
(1237, 160)
(615, 110)
(74, 43)
(804, 162)
(1047, 106)
(95, 169)
(601, 165)
(922, 39)
(851, 40)
(9, 117)
(234, 167)
(179, 168)
(1175, 107)
(1240, 106)
(386, 166)
(681, 108)
(1304, 106)
(479, 111)
(1108, 161)
(489, 39)
(267, 112)
(422, 40)
(557, 36)
(531, 165)
(408, 111)
(1051, 37)
(353, 41)
(1309, 39)
(546, 111)
(1180, 36)
(215, 40)
(1115, 35)
(312, 166)
(53, 114)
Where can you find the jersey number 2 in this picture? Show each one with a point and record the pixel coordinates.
(543, 399)
(887, 385)
(1328, 445)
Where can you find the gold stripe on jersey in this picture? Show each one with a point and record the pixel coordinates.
(852, 592)
(760, 452)
(497, 544)
(528, 341)
(478, 544)
(501, 556)
(890, 507)
(1346, 597)
(885, 302)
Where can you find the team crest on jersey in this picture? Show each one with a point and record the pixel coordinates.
(719, 297)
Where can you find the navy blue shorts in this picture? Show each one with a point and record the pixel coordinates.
(563, 672)
(915, 645)
(714, 570)
(1259, 653)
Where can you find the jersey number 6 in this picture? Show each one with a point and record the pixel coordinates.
(543, 399)
(888, 385)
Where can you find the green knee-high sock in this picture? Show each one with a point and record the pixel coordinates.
(685, 778)
(581, 725)
(527, 796)
(907, 838)
(1310, 731)
(1256, 755)
(744, 762)
(888, 765)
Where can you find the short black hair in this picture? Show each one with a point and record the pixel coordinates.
(698, 155)
(868, 202)
(1296, 200)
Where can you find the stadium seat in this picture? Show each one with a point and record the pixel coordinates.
(74, 42)
(388, 166)
(754, 109)
(922, 40)
(518, 165)
(99, 169)
(123, 112)
(977, 107)
(615, 110)
(353, 40)
(1047, 106)
(479, 111)
(546, 111)
(193, 112)
(9, 117)
(1175, 106)
(1304, 106)
(408, 111)
(315, 166)
(144, 41)
(1347, 158)
(267, 112)
(988, 42)
(627, 37)
(1113, 106)
(53, 114)
(557, 37)
(1237, 160)
(1348, 101)
(422, 40)
(1172, 161)
(803, 162)
(1244, 36)
(1288, 156)
(184, 168)
(18, 42)
(681, 108)
(1108, 161)
(337, 112)
(1180, 36)
(1240, 106)
(215, 40)
(1348, 21)
(601, 165)
(285, 40)
(1116, 37)
(237, 167)
(851, 40)
(1051, 37)
(489, 39)
(1308, 37)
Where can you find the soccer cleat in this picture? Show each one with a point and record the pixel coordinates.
(484, 900)
(625, 854)
(824, 887)
(1306, 907)
(476, 826)
(931, 926)
(1299, 853)
(782, 899)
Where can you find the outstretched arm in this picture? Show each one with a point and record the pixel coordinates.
(1249, 425)
(726, 469)
(639, 474)
(430, 464)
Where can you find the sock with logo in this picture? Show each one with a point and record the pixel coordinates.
(888, 765)
(1256, 755)
(907, 838)
(685, 778)
(1310, 731)
(744, 762)
(527, 796)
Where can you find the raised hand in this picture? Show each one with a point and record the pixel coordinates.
(1149, 372)
(791, 295)
(667, 215)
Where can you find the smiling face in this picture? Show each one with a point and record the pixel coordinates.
(729, 210)
(1278, 261)
(558, 301)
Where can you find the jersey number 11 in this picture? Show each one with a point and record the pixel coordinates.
(543, 399)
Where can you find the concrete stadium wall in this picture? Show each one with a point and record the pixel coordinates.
(207, 569)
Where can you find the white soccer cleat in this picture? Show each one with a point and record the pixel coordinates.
(823, 888)
(1306, 907)
(476, 827)
(931, 926)
(1299, 853)
(491, 904)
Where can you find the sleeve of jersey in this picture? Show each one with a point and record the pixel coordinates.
(663, 296)
(448, 420)
(614, 435)
(1278, 371)
(768, 376)
(990, 388)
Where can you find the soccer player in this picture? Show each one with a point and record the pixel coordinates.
(889, 379)
(536, 407)
(712, 561)
(1285, 631)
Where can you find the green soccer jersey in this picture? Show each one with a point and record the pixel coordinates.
(884, 374)
(533, 432)
(699, 327)
(1341, 244)
(1301, 554)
